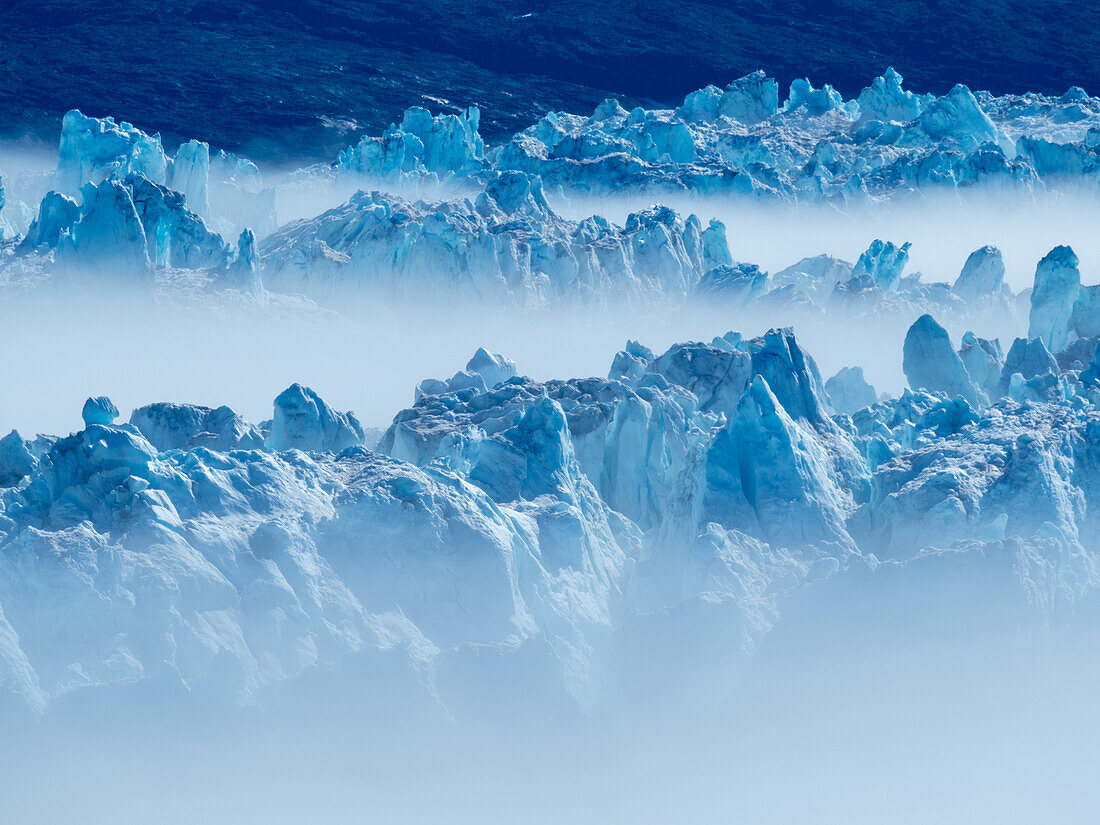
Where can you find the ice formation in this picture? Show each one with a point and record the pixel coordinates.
(442, 146)
(498, 510)
(849, 391)
(930, 362)
(439, 204)
(982, 276)
(93, 150)
(505, 245)
(815, 146)
(501, 515)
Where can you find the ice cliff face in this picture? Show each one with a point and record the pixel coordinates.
(498, 513)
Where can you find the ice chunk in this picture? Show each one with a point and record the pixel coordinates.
(175, 235)
(814, 101)
(716, 250)
(1091, 374)
(948, 416)
(983, 361)
(1057, 284)
(849, 391)
(702, 105)
(1045, 388)
(483, 372)
(957, 115)
(99, 457)
(1085, 316)
(739, 282)
(518, 194)
(130, 227)
(717, 377)
(491, 367)
(451, 142)
(931, 363)
(1078, 354)
(16, 460)
(444, 144)
(303, 421)
(1052, 159)
(766, 460)
(791, 374)
(461, 380)
(189, 174)
(882, 263)
(187, 426)
(56, 215)
(815, 276)
(982, 275)
(609, 109)
(664, 142)
(885, 100)
(109, 236)
(751, 99)
(93, 150)
(99, 411)
(243, 272)
(631, 363)
(1027, 358)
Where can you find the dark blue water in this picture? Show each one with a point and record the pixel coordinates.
(297, 79)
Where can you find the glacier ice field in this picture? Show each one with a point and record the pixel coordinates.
(694, 498)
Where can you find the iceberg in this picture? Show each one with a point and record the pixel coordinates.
(107, 234)
(186, 426)
(16, 460)
(958, 116)
(983, 361)
(815, 101)
(882, 264)
(225, 190)
(99, 411)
